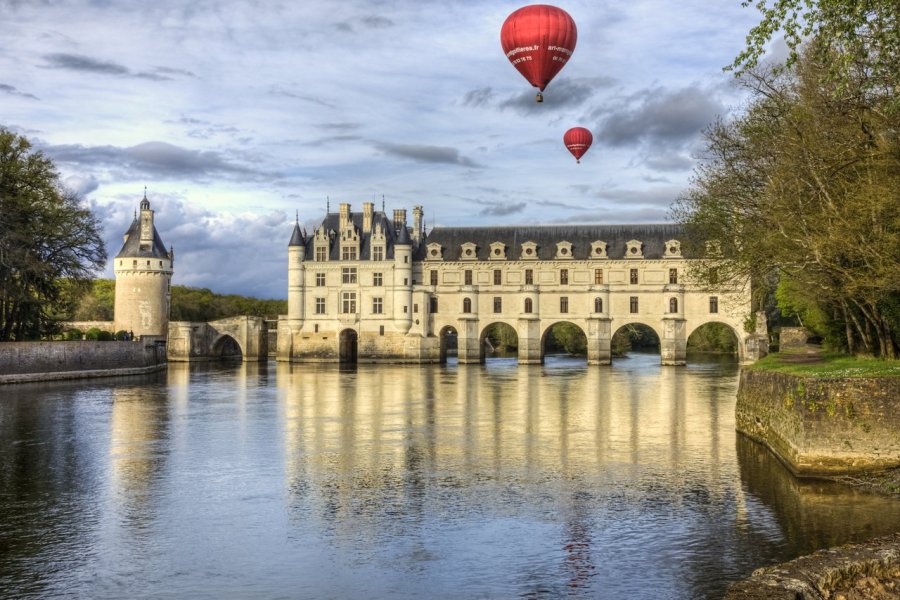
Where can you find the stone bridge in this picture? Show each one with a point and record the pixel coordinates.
(237, 337)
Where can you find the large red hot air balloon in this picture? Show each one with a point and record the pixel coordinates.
(578, 140)
(538, 40)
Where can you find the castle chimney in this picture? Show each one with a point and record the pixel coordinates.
(399, 219)
(417, 224)
(368, 211)
(146, 224)
(345, 216)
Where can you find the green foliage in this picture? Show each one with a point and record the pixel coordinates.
(73, 334)
(92, 334)
(854, 36)
(502, 337)
(803, 186)
(566, 337)
(49, 243)
(633, 336)
(713, 337)
(187, 304)
(828, 365)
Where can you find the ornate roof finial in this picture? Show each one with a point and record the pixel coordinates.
(382, 203)
(298, 216)
(327, 205)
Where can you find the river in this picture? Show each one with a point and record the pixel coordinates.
(383, 481)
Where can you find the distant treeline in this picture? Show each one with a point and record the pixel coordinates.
(188, 304)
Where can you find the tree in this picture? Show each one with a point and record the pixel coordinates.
(47, 241)
(863, 34)
(804, 184)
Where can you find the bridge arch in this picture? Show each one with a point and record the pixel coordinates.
(621, 329)
(695, 326)
(575, 338)
(348, 345)
(499, 327)
(226, 346)
(449, 340)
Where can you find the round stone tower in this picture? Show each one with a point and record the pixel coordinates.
(143, 269)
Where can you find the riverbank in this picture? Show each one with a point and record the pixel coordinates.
(869, 571)
(824, 416)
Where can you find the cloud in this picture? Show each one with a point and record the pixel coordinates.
(562, 93)
(367, 22)
(12, 91)
(206, 243)
(658, 116)
(480, 97)
(86, 64)
(159, 159)
(277, 91)
(502, 210)
(427, 154)
(672, 161)
(82, 185)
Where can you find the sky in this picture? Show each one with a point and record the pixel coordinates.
(238, 116)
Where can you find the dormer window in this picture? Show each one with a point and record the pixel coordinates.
(349, 244)
(563, 250)
(598, 249)
(529, 251)
(434, 251)
(498, 251)
(673, 249)
(468, 251)
(634, 249)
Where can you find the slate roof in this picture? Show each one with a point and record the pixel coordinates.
(297, 238)
(332, 221)
(132, 246)
(653, 237)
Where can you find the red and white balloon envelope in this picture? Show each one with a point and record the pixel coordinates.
(538, 40)
(578, 140)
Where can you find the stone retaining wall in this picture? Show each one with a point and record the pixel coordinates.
(44, 361)
(818, 575)
(820, 426)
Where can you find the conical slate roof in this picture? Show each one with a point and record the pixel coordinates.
(297, 238)
(132, 247)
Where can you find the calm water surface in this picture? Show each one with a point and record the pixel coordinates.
(496, 481)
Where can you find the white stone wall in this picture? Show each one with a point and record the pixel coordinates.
(142, 295)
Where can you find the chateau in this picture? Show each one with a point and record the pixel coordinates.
(367, 287)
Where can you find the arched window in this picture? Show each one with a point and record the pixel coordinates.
(467, 305)
(529, 306)
(598, 305)
(673, 305)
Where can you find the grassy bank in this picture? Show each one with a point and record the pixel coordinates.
(810, 362)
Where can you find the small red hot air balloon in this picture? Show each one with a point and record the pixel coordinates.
(538, 40)
(578, 140)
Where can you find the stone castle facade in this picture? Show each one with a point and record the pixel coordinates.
(143, 270)
(365, 286)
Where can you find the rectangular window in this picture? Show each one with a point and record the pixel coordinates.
(498, 304)
(634, 304)
(468, 276)
(348, 275)
(320, 306)
(713, 304)
(673, 275)
(416, 307)
(377, 279)
(564, 304)
(378, 253)
(498, 276)
(320, 279)
(348, 303)
(348, 252)
(406, 259)
(432, 305)
(598, 276)
(317, 328)
(529, 277)
(381, 330)
(377, 306)
(634, 276)
(321, 253)
(563, 277)
(433, 277)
